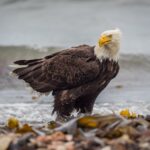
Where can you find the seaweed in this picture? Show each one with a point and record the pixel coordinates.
(124, 131)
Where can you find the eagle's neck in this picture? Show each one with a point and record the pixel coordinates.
(111, 53)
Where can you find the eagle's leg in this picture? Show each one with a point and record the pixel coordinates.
(84, 105)
(63, 105)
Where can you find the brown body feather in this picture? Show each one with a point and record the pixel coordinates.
(75, 76)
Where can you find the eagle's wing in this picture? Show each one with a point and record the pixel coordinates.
(62, 70)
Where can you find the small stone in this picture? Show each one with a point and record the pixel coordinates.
(106, 148)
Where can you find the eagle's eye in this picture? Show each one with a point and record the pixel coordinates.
(110, 35)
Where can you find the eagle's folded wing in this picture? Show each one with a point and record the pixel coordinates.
(61, 71)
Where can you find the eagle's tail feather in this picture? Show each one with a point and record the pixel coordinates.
(26, 62)
(25, 70)
(33, 74)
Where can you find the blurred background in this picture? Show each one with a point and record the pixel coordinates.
(71, 22)
(35, 28)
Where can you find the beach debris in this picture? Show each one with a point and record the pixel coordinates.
(24, 129)
(119, 86)
(126, 113)
(34, 97)
(5, 141)
(52, 124)
(12, 123)
(92, 132)
(88, 121)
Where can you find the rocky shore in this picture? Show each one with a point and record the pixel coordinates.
(110, 132)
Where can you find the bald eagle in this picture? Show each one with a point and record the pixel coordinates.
(76, 75)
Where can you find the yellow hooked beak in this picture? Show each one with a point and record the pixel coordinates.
(104, 39)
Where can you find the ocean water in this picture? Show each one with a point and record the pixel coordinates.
(65, 23)
(29, 27)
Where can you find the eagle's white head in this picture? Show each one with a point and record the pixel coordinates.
(108, 45)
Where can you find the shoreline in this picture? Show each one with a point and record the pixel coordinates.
(130, 89)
